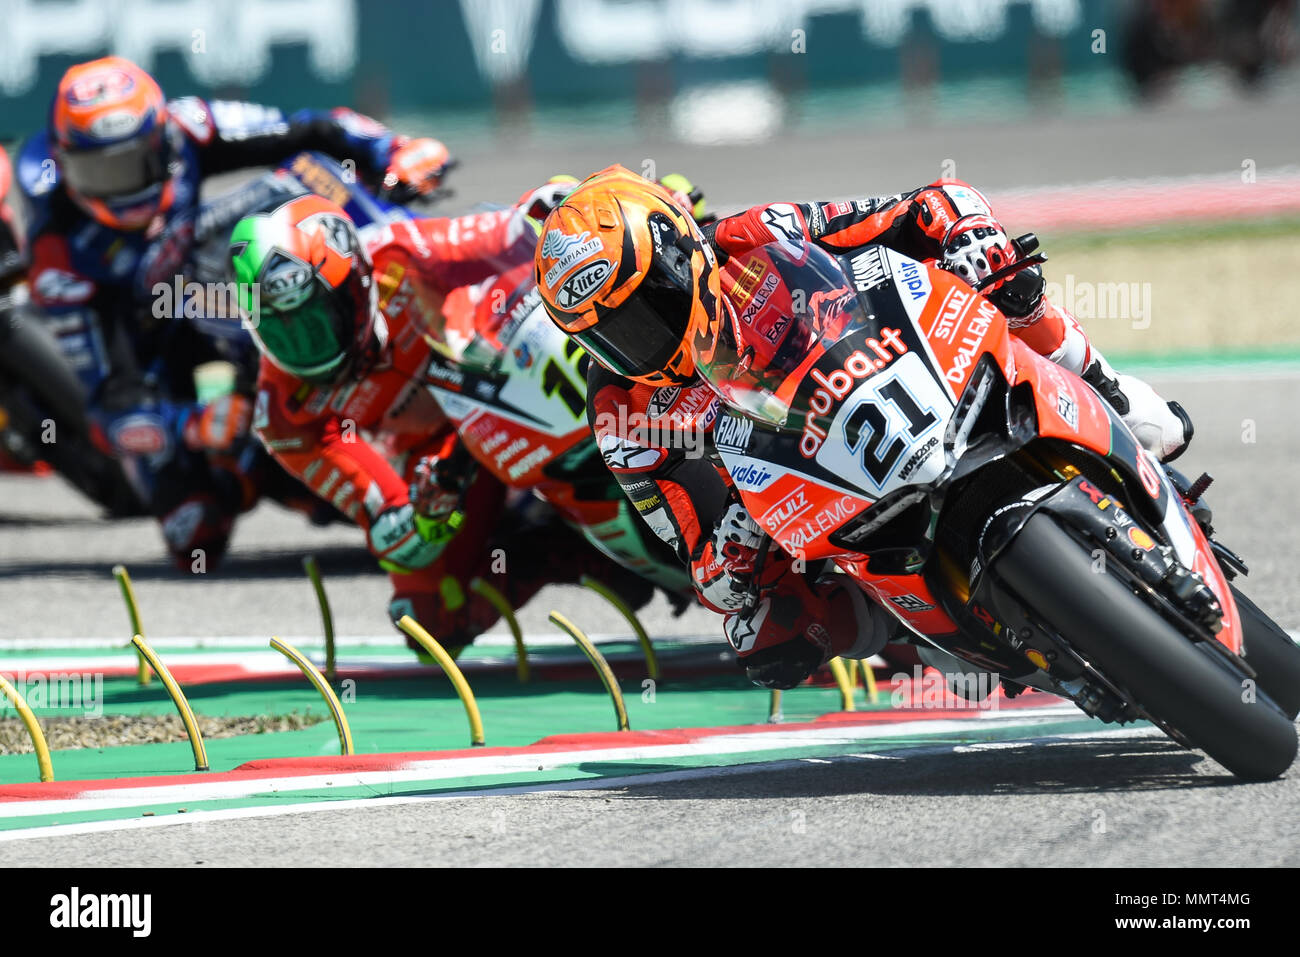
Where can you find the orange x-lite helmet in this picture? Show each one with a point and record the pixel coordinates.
(624, 269)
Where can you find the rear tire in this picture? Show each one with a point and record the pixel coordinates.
(1179, 681)
(47, 389)
(1272, 653)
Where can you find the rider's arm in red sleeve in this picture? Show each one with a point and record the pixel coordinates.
(679, 495)
(912, 223)
(332, 459)
(458, 251)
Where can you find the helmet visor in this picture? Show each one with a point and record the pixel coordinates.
(312, 340)
(119, 171)
(641, 336)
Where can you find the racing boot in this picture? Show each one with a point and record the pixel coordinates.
(1163, 428)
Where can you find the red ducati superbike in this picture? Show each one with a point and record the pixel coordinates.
(880, 416)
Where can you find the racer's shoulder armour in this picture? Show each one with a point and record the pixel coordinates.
(193, 117)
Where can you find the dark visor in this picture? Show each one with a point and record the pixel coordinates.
(313, 339)
(642, 335)
(110, 172)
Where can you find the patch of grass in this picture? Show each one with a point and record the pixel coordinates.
(111, 730)
(1269, 227)
(1201, 289)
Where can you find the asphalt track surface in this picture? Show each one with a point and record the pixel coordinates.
(857, 157)
(1123, 798)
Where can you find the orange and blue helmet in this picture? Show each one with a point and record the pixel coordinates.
(109, 130)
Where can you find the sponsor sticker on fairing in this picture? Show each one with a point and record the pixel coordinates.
(972, 336)
(912, 279)
(1067, 409)
(750, 474)
(797, 536)
(787, 510)
(761, 295)
(732, 433)
(840, 382)
(953, 309)
(911, 603)
(869, 269)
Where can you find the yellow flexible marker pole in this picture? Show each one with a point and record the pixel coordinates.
(448, 665)
(33, 728)
(178, 699)
(869, 677)
(492, 595)
(599, 663)
(132, 609)
(326, 692)
(600, 588)
(326, 616)
(842, 680)
(774, 715)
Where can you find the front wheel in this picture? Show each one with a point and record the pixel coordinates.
(1174, 679)
(1272, 653)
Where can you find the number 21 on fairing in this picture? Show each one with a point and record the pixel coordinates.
(888, 429)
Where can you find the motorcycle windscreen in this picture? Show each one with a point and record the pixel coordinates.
(787, 303)
(828, 349)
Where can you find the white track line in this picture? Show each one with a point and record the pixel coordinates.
(529, 761)
(313, 642)
(596, 784)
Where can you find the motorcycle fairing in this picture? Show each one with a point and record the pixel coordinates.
(526, 415)
(1101, 430)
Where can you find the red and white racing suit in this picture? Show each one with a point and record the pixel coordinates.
(356, 443)
(801, 619)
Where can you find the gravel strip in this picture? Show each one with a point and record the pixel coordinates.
(116, 729)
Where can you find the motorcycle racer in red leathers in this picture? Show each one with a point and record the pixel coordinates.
(624, 270)
(353, 334)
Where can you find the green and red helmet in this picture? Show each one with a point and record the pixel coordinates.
(305, 288)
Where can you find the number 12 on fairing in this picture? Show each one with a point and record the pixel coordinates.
(554, 380)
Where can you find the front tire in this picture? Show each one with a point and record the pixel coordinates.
(1178, 681)
(1272, 653)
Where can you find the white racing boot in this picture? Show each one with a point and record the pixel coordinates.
(1163, 428)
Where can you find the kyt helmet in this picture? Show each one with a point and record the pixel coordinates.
(624, 269)
(110, 136)
(305, 288)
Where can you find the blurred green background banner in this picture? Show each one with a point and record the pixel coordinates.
(510, 57)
